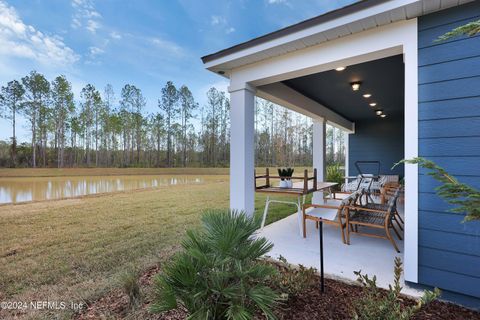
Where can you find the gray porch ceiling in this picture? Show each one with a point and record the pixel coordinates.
(383, 79)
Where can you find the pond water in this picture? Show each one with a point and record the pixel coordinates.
(15, 190)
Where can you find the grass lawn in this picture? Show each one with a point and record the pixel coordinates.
(77, 249)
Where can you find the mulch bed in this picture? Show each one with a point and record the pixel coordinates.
(334, 304)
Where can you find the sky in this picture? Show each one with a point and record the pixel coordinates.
(145, 43)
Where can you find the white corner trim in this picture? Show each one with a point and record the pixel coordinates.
(410, 49)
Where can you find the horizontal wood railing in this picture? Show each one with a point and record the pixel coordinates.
(267, 187)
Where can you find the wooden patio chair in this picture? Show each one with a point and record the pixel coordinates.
(333, 213)
(388, 191)
(381, 218)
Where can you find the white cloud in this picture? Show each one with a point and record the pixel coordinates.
(168, 46)
(85, 15)
(276, 1)
(218, 20)
(92, 26)
(95, 51)
(18, 39)
(115, 35)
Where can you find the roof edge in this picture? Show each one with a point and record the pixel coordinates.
(325, 17)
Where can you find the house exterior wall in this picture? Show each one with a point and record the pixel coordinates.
(377, 140)
(449, 134)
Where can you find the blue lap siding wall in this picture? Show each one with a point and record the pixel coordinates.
(377, 140)
(449, 134)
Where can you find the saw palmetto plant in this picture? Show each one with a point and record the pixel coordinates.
(218, 274)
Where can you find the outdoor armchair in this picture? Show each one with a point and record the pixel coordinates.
(380, 217)
(333, 213)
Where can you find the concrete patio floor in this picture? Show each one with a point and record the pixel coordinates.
(372, 256)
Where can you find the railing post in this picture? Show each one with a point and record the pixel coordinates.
(268, 177)
(305, 181)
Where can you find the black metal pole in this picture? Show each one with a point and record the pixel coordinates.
(322, 279)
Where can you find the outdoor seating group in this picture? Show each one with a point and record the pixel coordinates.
(358, 212)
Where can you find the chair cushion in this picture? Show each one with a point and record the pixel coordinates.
(334, 202)
(324, 213)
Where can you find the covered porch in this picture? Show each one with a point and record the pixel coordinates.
(365, 83)
(372, 117)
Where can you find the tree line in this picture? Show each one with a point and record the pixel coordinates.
(103, 130)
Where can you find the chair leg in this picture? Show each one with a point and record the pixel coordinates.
(348, 233)
(316, 224)
(265, 211)
(304, 227)
(343, 234)
(389, 236)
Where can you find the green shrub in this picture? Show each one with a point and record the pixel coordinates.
(464, 198)
(218, 274)
(129, 283)
(335, 174)
(292, 281)
(376, 304)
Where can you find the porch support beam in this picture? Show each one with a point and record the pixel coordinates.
(319, 154)
(242, 105)
(285, 96)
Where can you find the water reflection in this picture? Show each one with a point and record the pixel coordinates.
(14, 190)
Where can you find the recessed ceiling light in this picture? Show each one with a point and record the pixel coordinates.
(355, 85)
(367, 95)
(383, 116)
(373, 104)
(340, 68)
(378, 112)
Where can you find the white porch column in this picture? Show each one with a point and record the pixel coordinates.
(242, 105)
(319, 154)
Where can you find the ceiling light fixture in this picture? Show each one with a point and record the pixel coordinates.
(383, 115)
(367, 95)
(340, 68)
(355, 85)
(373, 104)
(379, 112)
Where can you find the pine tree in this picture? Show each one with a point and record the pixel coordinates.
(11, 98)
(37, 91)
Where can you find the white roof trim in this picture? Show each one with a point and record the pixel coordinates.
(380, 14)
